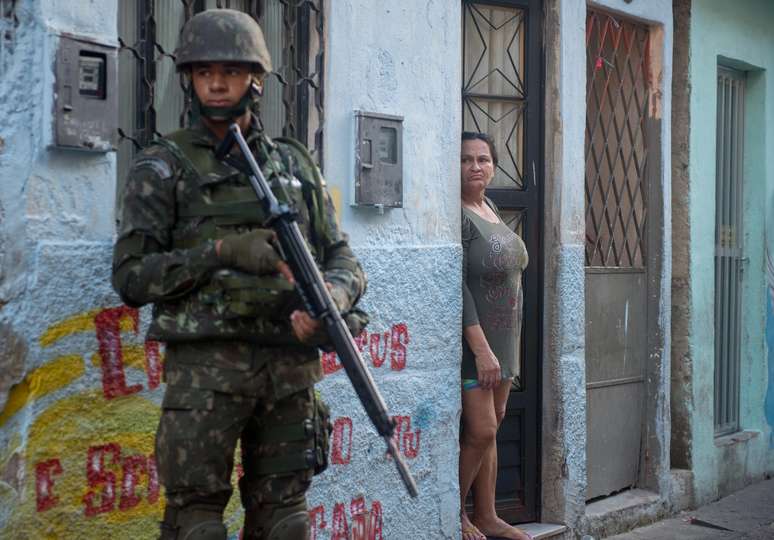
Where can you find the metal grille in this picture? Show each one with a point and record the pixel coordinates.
(616, 146)
(728, 247)
(155, 99)
(8, 25)
(494, 94)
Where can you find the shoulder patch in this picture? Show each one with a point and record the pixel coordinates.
(155, 164)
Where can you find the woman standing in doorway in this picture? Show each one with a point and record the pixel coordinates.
(493, 260)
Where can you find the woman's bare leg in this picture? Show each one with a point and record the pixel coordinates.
(479, 427)
(485, 516)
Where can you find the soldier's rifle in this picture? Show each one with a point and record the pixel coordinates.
(317, 299)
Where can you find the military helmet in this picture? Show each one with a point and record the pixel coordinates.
(222, 35)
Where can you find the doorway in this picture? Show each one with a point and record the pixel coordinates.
(502, 67)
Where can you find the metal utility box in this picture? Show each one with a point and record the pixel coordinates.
(86, 101)
(378, 160)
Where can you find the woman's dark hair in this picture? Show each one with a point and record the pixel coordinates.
(474, 136)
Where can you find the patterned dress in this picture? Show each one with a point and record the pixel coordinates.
(493, 259)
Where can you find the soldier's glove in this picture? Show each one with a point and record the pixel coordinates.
(251, 252)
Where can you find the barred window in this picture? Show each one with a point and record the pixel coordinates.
(8, 24)
(154, 98)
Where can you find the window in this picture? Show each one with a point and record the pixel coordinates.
(8, 25)
(153, 98)
(728, 247)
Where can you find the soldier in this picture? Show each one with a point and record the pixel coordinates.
(241, 355)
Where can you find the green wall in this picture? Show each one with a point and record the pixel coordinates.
(736, 34)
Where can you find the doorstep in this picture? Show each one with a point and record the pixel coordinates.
(539, 531)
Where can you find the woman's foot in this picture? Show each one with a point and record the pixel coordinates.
(498, 528)
(469, 531)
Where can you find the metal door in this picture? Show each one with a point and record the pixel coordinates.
(729, 259)
(501, 95)
(616, 258)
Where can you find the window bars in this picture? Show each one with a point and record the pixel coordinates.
(494, 94)
(155, 99)
(616, 146)
(728, 247)
(8, 25)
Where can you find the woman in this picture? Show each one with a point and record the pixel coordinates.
(493, 260)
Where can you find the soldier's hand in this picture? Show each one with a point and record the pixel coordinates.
(305, 327)
(308, 329)
(252, 252)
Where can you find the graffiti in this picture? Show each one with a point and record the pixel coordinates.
(406, 440)
(341, 441)
(390, 344)
(104, 464)
(89, 458)
(362, 525)
(44, 484)
(108, 330)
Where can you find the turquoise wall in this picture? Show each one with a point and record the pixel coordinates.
(737, 34)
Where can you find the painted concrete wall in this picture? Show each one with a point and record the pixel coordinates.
(412, 254)
(737, 36)
(564, 474)
(564, 413)
(80, 387)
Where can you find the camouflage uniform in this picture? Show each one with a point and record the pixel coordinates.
(234, 368)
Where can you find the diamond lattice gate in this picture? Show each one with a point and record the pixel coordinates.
(617, 221)
(501, 95)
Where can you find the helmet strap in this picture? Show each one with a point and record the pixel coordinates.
(223, 113)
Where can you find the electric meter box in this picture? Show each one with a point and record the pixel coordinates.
(378, 160)
(86, 101)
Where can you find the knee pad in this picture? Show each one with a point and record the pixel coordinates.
(207, 530)
(293, 526)
(194, 522)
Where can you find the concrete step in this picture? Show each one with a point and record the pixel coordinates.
(539, 531)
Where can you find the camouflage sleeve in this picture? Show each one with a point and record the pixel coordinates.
(145, 268)
(341, 268)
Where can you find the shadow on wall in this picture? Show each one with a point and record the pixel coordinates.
(769, 403)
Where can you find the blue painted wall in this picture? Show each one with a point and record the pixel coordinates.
(736, 35)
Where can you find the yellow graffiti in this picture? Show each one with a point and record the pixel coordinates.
(53, 460)
(83, 322)
(65, 431)
(55, 375)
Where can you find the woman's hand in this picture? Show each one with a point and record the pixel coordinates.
(488, 368)
(487, 364)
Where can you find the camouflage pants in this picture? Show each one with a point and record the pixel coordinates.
(196, 441)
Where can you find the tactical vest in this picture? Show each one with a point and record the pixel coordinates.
(215, 200)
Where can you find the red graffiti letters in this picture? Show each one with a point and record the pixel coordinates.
(340, 526)
(399, 339)
(109, 476)
(406, 440)
(134, 467)
(44, 483)
(365, 525)
(108, 328)
(392, 343)
(341, 444)
(101, 478)
(108, 323)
